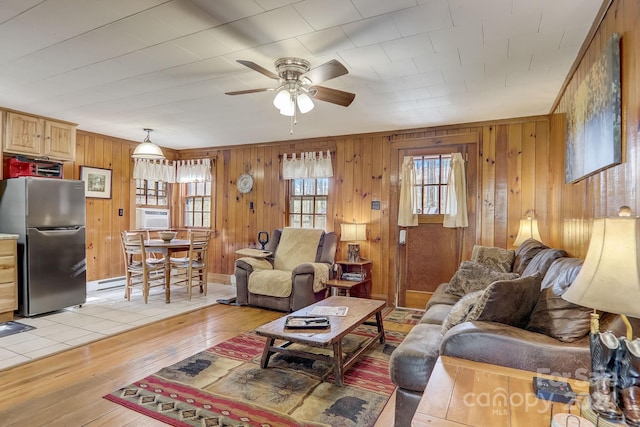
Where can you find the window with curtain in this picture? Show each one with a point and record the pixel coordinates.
(197, 204)
(308, 200)
(151, 193)
(431, 183)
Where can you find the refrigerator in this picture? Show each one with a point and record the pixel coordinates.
(48, 215)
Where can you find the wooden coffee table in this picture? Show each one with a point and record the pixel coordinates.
(360, 310)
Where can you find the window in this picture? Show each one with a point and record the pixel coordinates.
(432, 172)
(308, 202)
(150, 193)
(197, 204)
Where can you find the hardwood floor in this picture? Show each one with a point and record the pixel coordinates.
(66, 389)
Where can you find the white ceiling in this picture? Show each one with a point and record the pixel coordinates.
(118, 66)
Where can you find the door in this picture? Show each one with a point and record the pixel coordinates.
(432, 253)
(56, 270)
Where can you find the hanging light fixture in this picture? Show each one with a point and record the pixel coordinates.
(147, 149)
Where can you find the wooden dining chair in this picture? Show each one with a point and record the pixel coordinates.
(192, 269)
(138, 270)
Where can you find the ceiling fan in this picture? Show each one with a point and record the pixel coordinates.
(298, 84)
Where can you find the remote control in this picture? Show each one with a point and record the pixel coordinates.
(556, 391)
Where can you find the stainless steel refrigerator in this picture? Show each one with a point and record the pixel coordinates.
(48, 215)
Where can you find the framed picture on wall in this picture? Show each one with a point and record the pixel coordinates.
(594, 118)
(97, 182)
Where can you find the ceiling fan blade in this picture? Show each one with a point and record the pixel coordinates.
(242, 92)
(259, 68)
(334, 96)
(327, 71)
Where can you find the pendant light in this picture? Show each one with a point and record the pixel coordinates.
(147, 149)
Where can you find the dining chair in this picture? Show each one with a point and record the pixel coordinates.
(192, 269)
(139, 270)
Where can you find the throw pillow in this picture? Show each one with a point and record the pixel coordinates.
(497, 258)
(472, 276)
(508, 301)
(552, 315)
(460, 310)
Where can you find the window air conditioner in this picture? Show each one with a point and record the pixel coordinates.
(152, 219)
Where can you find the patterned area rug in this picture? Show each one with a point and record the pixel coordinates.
(225, 386)
(409, 316)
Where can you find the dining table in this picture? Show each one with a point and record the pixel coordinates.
(166, 248)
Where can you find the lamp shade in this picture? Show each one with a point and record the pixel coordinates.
(305, 104)
(528, 230)
(609, 279)
(282, 99)
(147, 149)
(353, 232)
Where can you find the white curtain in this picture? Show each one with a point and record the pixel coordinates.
(308, 165)
(195, 170)
(408, 194)
(154, 170)
(455, 211)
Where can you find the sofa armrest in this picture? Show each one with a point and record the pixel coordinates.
(505, 345)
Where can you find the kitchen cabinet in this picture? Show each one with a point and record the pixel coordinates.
(8, 276)
(39, 137)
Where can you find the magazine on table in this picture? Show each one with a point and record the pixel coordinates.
(329, 311)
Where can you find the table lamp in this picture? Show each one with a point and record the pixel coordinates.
(528, 230)
(352, 233)
(609, 280)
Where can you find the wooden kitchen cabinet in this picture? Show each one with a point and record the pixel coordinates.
(8, 279)
(39, 137)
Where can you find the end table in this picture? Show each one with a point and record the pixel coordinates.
(359, 273)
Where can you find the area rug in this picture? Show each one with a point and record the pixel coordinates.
(225, 386)
(408, 316)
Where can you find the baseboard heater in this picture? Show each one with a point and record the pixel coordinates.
(111, 283)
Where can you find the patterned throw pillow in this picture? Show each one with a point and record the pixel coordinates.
(460, 310)
(497, 258)
(473, 276)
(508, 301)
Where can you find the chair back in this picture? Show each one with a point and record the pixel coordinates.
(133, 248)
(199, 245)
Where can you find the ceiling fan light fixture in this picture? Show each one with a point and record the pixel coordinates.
(282, 99)
(147, 149)
(305, 104)
(289, 109)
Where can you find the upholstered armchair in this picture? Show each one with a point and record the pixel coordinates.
(293, 276)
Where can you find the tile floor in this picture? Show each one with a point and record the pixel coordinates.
(105, 313)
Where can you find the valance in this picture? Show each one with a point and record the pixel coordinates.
(154, 170)
(194, 170)
(309, 165)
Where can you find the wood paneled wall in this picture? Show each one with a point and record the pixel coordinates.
(511, 182)
(574, 206)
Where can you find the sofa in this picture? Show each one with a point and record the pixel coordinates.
(502, 307)
(293, 276)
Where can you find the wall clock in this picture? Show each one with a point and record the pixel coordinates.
(244, 183)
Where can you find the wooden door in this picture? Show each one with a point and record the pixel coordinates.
(432, 253)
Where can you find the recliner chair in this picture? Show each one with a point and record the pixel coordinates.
(293, 276)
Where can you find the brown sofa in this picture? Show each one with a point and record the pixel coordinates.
(302, 276)
(551, 338)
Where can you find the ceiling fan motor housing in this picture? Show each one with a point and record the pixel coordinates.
(291, 68)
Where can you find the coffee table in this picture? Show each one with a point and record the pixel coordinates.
(359, 310)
